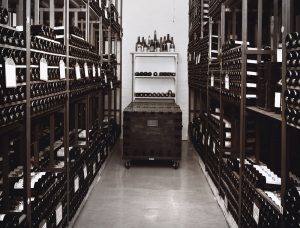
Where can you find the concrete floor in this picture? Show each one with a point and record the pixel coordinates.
(153, 196)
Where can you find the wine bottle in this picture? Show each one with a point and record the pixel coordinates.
(172, 45)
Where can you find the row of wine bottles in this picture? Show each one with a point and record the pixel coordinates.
(149, 74)
(158, 94)
(165, 44)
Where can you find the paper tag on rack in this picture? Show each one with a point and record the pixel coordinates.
(94, 168)
(255, 213)
(10, 73)
(94, 70)
(58, 213)
(226, 202)
(105, 78)
(76, 184)
(99, 157)
(62, 69)
(208, 140)
(43, 69)
(84, 171)
(227, 82)
(281, 209)
(214, 147)
(86, 70)
(77, 71)
(212, 81)
(43, 224)
(111, 85)
(2, 216)
(99, 72)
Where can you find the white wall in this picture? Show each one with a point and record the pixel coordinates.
(141, 18)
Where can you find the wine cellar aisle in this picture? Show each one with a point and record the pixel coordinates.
(152, 195)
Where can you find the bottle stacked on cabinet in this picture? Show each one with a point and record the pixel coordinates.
(164, 44)
(232, 71)
(292, 94)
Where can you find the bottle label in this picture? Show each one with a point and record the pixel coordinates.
(44, 69)
(62, 69)
(43, 224)
(94, 70)
(10, 73)
(139, 49)
(2, 216)
(226, 202)
(77, 71)
(277, 100)
(86, 70)
(94, 168)
(255, 213)
(227, 82)
(172, 49)
(84, 172)
(76, 184)
(212, 81)
(99, 71)
(58, 214)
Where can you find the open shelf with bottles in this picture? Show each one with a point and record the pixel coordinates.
(160, 70)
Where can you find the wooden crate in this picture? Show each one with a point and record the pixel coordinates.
(152, 131)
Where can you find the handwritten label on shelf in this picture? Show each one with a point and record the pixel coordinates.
(76, 184)
(99, 71)
(94, 70)
(255, 213)
(212, 81)
(86, 70)
(10, 73)
(43, 69)
(94, 168)
(84, 171)
(62, 69)
(58, 213)
(77, 71)
(227, 82)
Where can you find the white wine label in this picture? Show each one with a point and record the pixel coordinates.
(44, 69)
(76, 184)
(86, 70)
(2, 216)
(84, 171)
(227, 82)
(277, 100)
(255, 213)
(94, 70)
(94, 168)
(212, 81)
(43, 224)
(10, 73)
(77, 71)
(99, 71)
(58, 213)
(62, 69)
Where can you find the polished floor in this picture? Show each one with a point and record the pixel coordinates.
(152, 195)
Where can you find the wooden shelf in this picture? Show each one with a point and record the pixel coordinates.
(267, 114)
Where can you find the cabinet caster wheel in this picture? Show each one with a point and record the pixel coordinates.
(127, 164)
(175, 165)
